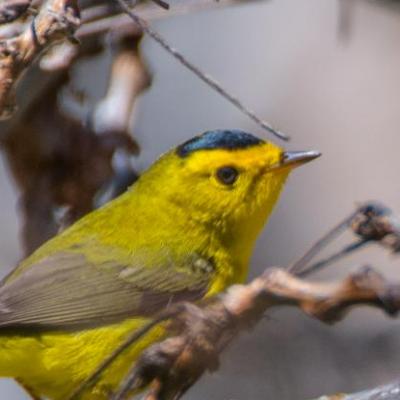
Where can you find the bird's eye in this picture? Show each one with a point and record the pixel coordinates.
(227, 175)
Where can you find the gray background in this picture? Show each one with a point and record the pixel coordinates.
(338, 94)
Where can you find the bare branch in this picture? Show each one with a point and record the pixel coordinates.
(171, 367)
(198, 334)
(57, 20)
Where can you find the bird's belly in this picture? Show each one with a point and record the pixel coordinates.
(54, 364)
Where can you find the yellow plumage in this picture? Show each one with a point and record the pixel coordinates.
(182, 231)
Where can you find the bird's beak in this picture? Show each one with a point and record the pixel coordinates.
(293, 159)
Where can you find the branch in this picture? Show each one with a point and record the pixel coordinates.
(57, 20)
(198, 334)
(171, 367)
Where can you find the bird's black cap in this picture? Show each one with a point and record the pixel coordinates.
(219, 139)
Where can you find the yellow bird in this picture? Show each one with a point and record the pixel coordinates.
(184, 231)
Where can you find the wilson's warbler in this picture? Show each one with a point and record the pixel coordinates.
(183, 231)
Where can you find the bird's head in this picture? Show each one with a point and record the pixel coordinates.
(228, 179)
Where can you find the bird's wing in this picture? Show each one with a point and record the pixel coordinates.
(67, 292)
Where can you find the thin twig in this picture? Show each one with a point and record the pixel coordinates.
(200, 74)
(162, 4)
(319, 245)
(334, 257)
(371, 222)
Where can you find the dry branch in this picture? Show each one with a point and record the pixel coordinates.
(198, 334)
(57, 20)
(172, 366)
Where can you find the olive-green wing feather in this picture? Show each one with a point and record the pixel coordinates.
(66, 291)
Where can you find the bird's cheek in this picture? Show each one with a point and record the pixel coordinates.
(267, 187)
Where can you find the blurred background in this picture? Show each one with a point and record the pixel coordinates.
(326, 73)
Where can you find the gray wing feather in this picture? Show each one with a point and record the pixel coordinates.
(66, 292)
